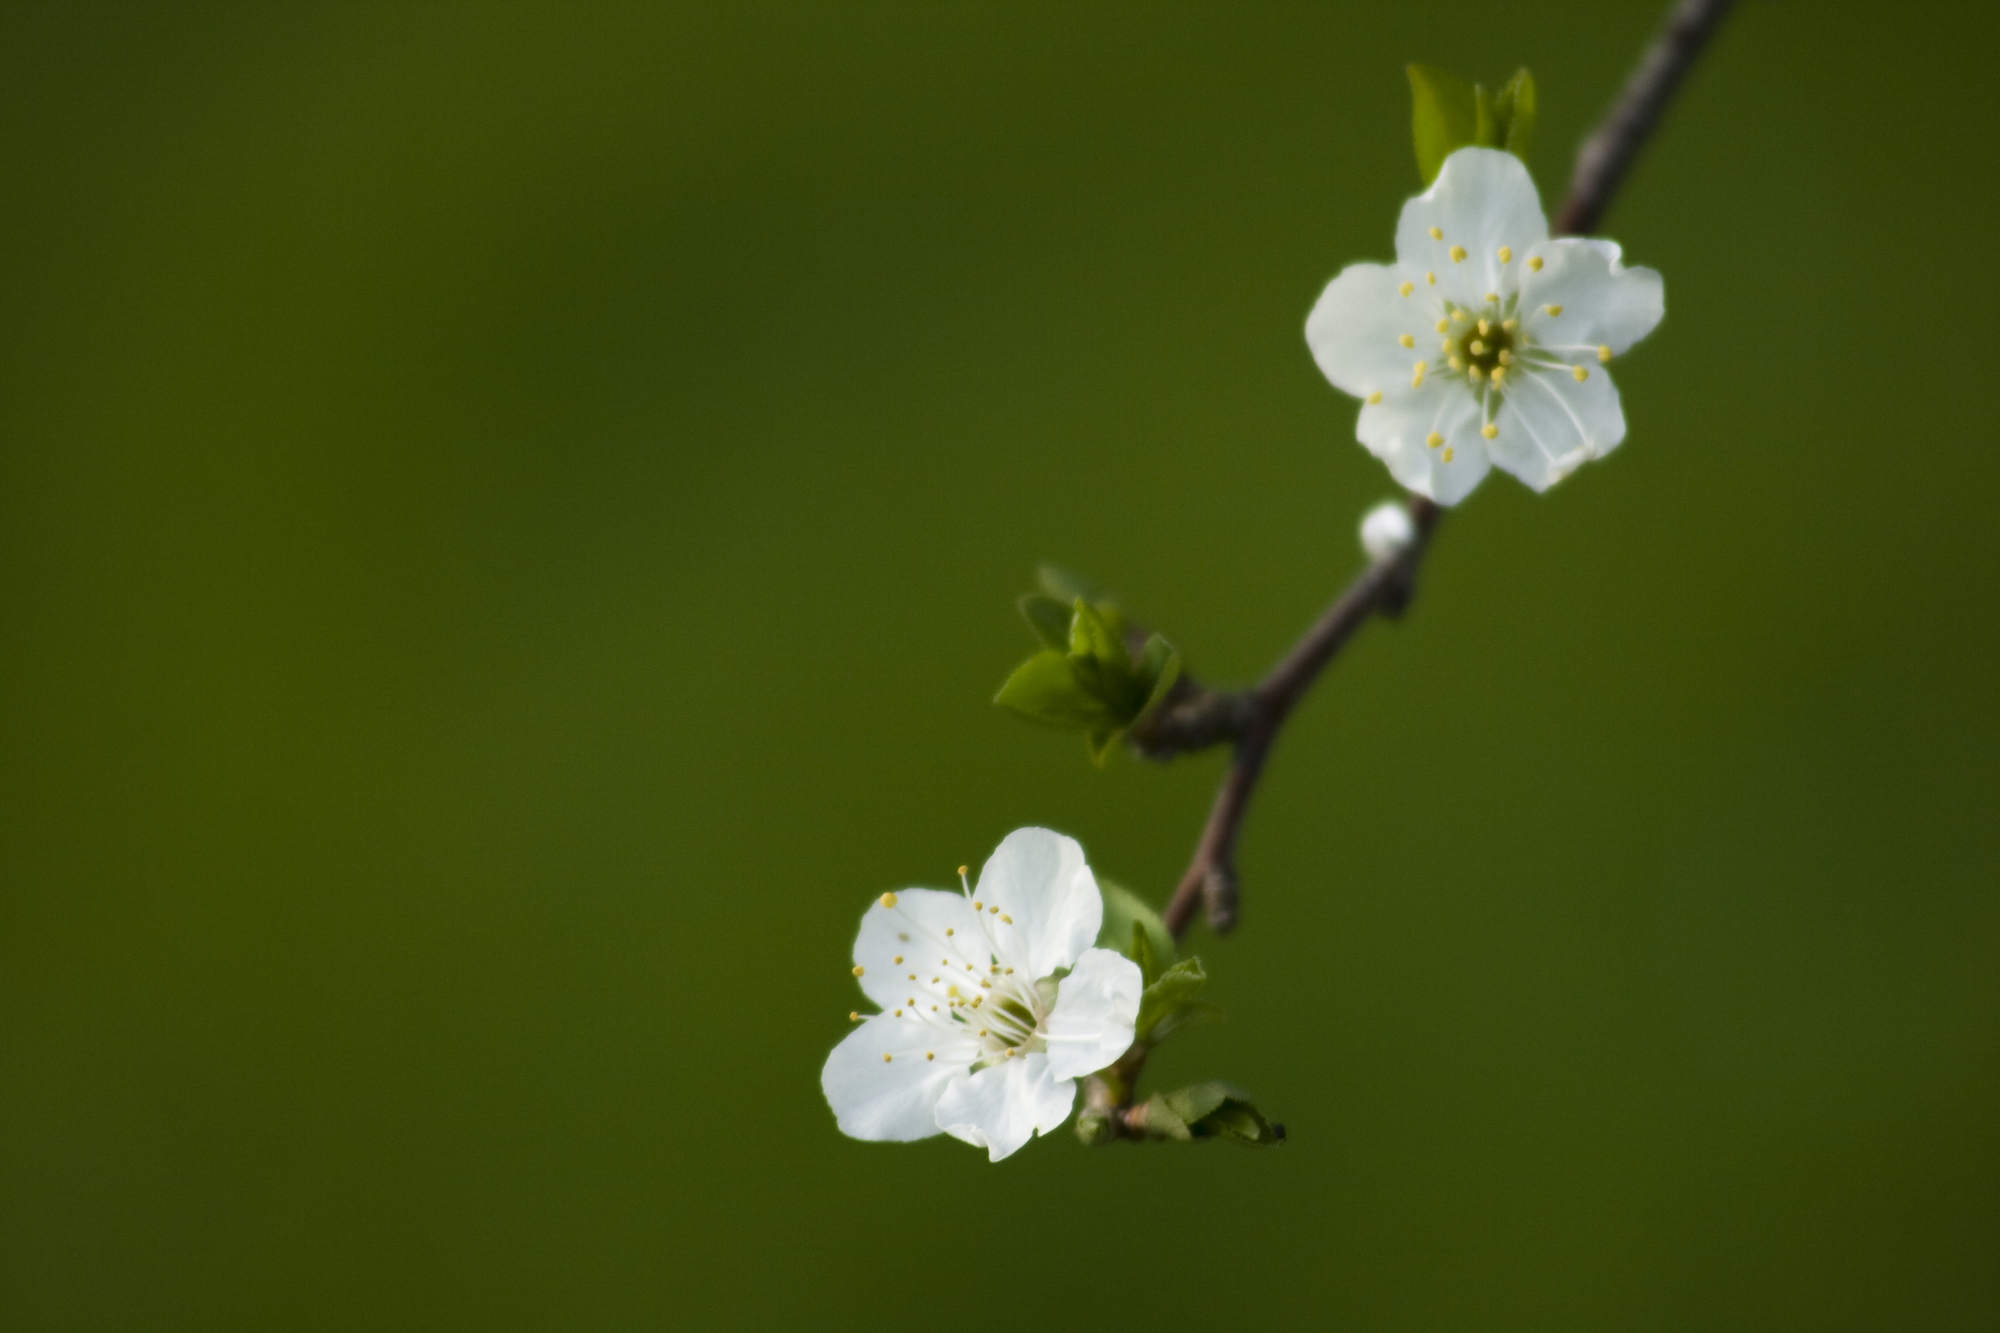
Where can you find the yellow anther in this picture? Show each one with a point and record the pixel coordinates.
(1460, 316)
(949, 931)
(886, 1057)
(1476, 347)
(1506, 253)
(1406, 289)
(853, 1016)
(897, 959)
(976, 904)
(1506, 357)
(1603, 355)
(1430, 279)
(1534, 263)
(1446, 455)
(933, 1008)
(1489, 430)
(913, 977)
(961, 872)
(1510, 324)
(1499, 373)
(912, 1001)
(1407, 340)
(1457, 253)
(1493, 298)
(1552, 310)
(1010, 971)
(994, 910)
(1417, 374)
(860, 970)
(1485, 327)
(899, 1013)
(1375, 397)
(951, 989)
(985, 984)
(1443, 326)
(1007, 919)
(936, 980)
(930, 1055)
(1436, 235)
(888, 900)
(1456, 364)
(982, 1032)
(1579, 374)
(1434, 439)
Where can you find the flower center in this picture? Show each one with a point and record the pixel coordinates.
(1482, 342)
(972, 991)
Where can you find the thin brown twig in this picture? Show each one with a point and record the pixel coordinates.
(1251, 720)
(1195, 718)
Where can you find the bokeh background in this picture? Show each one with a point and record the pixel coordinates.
(510, 515)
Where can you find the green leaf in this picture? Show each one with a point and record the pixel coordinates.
(1090, 636)
(1444, 117)
(1066, 587)
(1163, 1122)
(1198, 1100)
(1241, 1122)
(1048, 617)
(1515, 108)
(1170, 999)
(1102, 744)
(1102, 666)
(1159, 667)
(1126, 914)
(1209, 1111)
(1045, 689)
(1485, 128)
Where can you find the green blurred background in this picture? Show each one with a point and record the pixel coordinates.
(510, 516)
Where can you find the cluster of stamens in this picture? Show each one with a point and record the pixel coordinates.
(969, 992)
(1485, 344)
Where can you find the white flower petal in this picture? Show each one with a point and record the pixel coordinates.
(1096, 1008)
(1551, 423)
(1397, 430)
(1355, 327)
(894, 1099)
(1004, 1105)
(1050, 909)
(1603, 303)
(1483, 199)
(915, 929)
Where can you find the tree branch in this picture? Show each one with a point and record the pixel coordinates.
(1195, 718)
(1605, 156)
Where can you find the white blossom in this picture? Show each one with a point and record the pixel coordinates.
(1486, 341)
(1386, 529)
(992, 1003)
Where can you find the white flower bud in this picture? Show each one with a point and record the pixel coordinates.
(1386, 529)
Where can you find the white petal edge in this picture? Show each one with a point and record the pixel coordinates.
(1551, 423)
(1396, 430)
(895, 1100)
(1039, 879)
(1482, 199)
(1603, 303)
(915, 930)
(1355, 325)
(1004, 1105)
(1096, 1008)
